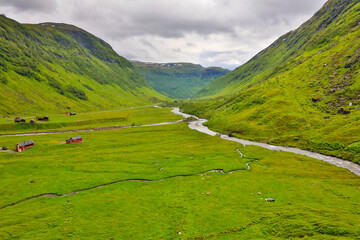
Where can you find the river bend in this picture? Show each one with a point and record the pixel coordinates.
(198, 125)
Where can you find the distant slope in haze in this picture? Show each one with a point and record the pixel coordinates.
(178, 80)
(302, 91)
(53, 67)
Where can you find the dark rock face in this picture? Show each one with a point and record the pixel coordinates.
(343, 111)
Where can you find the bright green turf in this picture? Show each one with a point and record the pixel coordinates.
(314, 200)
(121, 117)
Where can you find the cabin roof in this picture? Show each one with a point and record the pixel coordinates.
(26, 143)
(75, 138)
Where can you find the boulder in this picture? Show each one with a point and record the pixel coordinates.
(343, 111)
(316, 99)
(269, 199)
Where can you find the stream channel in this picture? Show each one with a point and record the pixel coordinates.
(198, 125)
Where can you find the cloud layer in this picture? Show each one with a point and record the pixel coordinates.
(223, 33)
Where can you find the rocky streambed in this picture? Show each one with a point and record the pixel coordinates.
(198, 125)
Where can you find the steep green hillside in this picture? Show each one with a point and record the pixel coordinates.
(52, 67)
(178, 80)
(318, 36)
(301, 91)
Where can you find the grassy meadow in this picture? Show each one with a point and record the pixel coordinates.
(60, 122)
(313, 200)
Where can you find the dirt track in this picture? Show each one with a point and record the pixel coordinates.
(86, 129)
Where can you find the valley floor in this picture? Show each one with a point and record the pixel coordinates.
(168, 182)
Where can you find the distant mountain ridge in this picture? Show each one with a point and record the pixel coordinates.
(51, 67)
(178, 80)
(303, 90)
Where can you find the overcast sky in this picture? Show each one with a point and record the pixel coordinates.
(224, 33)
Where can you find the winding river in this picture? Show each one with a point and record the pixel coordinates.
(198, 125)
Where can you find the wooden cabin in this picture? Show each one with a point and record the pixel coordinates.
(24, 145)
(19, 120)
(45, 118)
(74, 140)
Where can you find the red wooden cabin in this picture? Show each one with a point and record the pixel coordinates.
(74, 140)
(24, 145)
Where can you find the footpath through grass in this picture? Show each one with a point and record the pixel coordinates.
(314, 200)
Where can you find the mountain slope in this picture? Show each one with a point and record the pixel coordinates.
(292, 49)
(51, 67)
(301, 91)
(178, 80)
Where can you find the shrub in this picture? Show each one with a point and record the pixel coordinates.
(3, 65)
(76, 92)
(355, 147)
(3, 79)
(38, 78)
(88, 87)
(24, 71)
(55, 84)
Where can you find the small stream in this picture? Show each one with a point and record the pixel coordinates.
(198, 125)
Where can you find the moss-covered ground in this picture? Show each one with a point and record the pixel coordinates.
(313, 200)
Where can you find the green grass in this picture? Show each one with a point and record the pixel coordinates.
(314, 200)
(121, 117)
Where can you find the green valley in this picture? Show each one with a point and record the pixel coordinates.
(140, 169)
(170, 182)
(178, 80)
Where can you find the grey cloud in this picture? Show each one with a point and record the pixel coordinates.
(174, 19)
(30, 5)
(206, 31)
